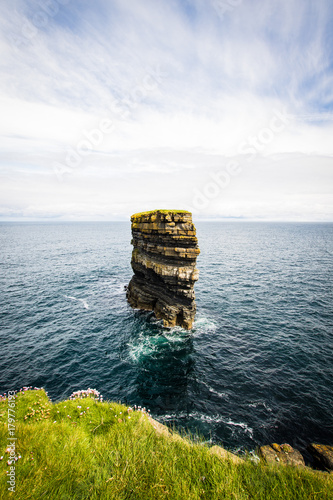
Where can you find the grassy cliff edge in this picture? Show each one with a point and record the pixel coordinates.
(86, 448)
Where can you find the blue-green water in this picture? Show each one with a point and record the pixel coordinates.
(257, 366)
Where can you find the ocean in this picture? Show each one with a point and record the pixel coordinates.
(256, 368)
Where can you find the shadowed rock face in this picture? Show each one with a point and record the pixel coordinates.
(322, 454)
(163, 260)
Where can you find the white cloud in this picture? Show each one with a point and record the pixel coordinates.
(184, 91)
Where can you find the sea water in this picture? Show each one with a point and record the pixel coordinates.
(257, 367)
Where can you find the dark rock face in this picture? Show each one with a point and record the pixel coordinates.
(163, 260)
(284, 454)
(322, 454)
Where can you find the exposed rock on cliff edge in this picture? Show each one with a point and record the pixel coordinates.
(322, 454)
(163, 260)
(283, 454)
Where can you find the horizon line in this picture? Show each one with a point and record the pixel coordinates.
(203, 219)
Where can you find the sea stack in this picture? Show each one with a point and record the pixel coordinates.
(163, 260)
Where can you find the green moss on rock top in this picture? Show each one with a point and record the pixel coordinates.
(158, 211)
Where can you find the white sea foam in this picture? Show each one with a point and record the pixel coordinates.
(222, 395)
(176, 330)
(260, 403)
(176, 334)
(209, 419)
(84, 302)
(242, 425)
(137, 352)
(204, 325)
(143, 346)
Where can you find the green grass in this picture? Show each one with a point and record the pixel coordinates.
(99, 453)
(140, 214)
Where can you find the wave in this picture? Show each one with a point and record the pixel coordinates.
(209, 419)
(84, 302)
(259, 404)
(141, 350)
(204, 325)
(222, 395)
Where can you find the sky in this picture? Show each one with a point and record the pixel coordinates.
(220, 107)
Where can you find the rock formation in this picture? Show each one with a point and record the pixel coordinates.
(322, 454)
(163, 260)
(284, 454)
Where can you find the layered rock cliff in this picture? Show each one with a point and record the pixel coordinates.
(163, 260)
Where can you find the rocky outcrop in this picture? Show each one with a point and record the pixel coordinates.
(322, 455)
(163, 260)
(224, 454)
(284, 454)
